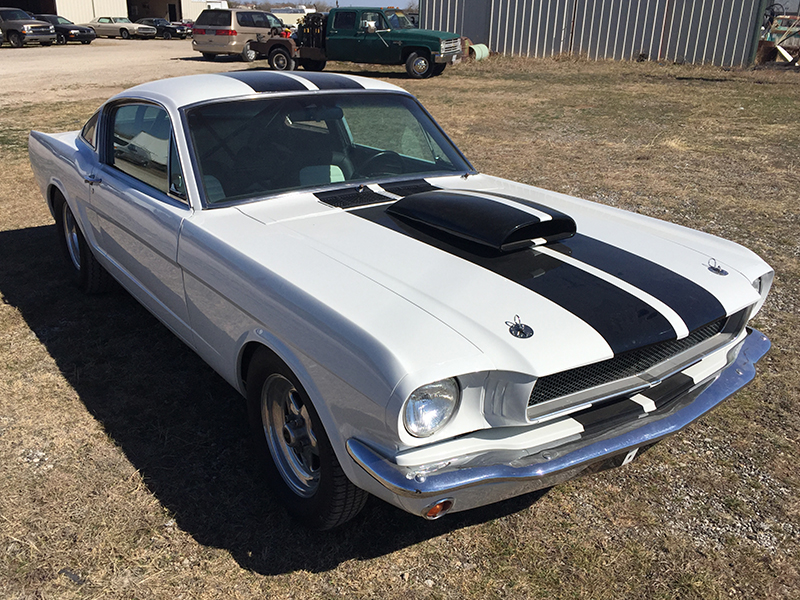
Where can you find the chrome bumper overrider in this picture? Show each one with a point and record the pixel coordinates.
(572, 459)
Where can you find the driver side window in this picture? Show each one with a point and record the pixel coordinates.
(144, 147)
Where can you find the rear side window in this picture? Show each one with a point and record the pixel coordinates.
(214, 18)
(245, 19)
(345, 20)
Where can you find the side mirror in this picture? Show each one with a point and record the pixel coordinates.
(370, 26)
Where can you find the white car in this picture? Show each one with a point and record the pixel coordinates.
(120, 26)
(400, 324)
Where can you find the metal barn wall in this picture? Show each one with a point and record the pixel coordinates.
(720, 32)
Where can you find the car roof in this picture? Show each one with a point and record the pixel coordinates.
(178, 92)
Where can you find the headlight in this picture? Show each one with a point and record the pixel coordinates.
(74, 31)
(26, 29)
(52, 29)
(429, 407)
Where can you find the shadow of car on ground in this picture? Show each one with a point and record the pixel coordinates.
(183, 427)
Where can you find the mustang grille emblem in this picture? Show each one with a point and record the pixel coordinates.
(518, 329)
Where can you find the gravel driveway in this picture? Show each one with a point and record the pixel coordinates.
(99, 70)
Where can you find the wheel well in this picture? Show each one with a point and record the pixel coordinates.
(248, 352)
(54, 196)
(407, 52)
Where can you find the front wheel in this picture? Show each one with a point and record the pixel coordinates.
(419, 65)
(125, 34)
(61, 39)
(309, 479)
(281, 60)
(15, 39)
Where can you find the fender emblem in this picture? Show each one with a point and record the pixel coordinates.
(518, 329)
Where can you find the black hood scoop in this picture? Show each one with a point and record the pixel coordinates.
(500, 222)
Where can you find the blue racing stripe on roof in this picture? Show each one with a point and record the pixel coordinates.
(262, 81)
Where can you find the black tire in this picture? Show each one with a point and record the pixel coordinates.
(209, 56)
(438, 69)
(15, 39)
(419, 65)
(301, 450)
(281, 60)
(47, 43)
(167, 35)
(61, 39)
(125, 34)
(87, 42)
(313, 65)
(88, 274)
(248, 54)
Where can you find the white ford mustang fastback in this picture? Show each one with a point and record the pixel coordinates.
(400, 324)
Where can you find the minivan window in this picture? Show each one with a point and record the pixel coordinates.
(214, 18)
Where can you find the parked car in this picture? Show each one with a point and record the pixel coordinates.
(231, 31)
(19, 28)
(67, 31)
(165, 29)
(399, 323)
(120, 26)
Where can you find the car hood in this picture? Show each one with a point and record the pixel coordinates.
(622, 281)
(412, 35)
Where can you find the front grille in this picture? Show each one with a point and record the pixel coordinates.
(451, 46)
(40, 29)
(621, 366)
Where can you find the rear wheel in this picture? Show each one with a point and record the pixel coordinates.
(209, 56)
(167, 35)
(248, 54)
(125, 33)
(87, 272)
(313, 65)
(281, 60)
(290, 436)
(419, 65)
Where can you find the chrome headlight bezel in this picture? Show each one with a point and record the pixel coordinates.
(762, 285)
(430, 407)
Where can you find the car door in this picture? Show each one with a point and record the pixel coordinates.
(139, 205)
(378, 45)
(104, 26)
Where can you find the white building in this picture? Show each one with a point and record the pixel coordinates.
(83, 11)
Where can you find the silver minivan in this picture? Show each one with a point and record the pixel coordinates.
(230, 31)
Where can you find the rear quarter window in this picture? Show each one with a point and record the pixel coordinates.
(214, 18)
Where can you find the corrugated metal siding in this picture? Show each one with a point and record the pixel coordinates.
(80, 11)
(694, 31)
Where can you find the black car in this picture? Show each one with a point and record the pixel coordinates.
(67, 31)
(165, 29)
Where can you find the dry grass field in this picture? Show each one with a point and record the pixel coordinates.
(126, 471)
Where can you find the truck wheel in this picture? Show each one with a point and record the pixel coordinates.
(248, 54)
(419, 66)
(280, 60)
(313, 65)
(300, 460)
(125, 34)
(15, 39)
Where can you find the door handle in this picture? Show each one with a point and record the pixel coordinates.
(92, 179)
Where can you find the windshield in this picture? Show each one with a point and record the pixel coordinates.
(253, 148)
(63, 21)
(14, 15)
(121, 20)
(398, 19)
(160, 22)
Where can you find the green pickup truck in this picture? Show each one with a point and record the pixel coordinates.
(382, 36)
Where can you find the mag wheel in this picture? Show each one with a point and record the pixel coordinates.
(419, 66)
(299, 456)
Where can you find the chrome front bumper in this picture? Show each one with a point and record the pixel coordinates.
(414, 488)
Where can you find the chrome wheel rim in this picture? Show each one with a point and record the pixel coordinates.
(290, 437)
(71, 237)
(420, 65)
(280, 62)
